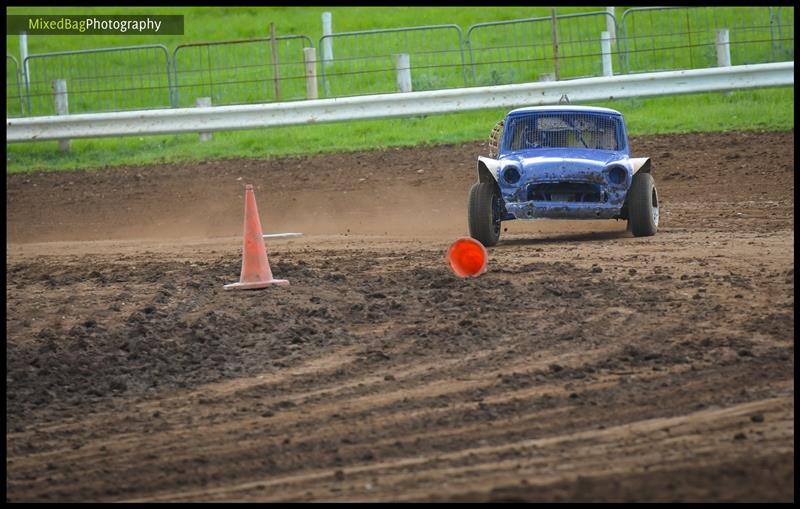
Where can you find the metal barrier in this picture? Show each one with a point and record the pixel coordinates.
(109, 79)
(14, 104)
(368, 62)
(241, 71)
(538, 49)
(661, 38)
(253, 116)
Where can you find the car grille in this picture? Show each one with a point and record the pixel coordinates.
(566, 192)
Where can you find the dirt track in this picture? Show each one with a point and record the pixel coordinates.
(585, 365)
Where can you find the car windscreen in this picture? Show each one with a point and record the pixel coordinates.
(562, 130)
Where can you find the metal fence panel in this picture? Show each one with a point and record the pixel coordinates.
(663, 38)
(14, 105)
(782, 33)
(366, 62)
(110, 79)
(240, 72)
(361, 63)
(524, 50)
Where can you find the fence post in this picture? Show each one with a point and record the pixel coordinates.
(275, 70)
(555, 43)
(62, 108)
(605, 49)
(724, 51)
(26, 80)
(723, 48)
(310, 58)
(204, 102)
(327, 44)
(23, 53)
(611, 27)
(403, 66)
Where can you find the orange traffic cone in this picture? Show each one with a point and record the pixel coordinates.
(255, 266)
(467, 257)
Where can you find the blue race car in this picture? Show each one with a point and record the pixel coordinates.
(561, 162)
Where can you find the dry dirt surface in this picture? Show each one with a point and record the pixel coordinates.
(586, 364)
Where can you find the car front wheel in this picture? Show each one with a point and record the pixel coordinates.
(643, 206)
(485, 213)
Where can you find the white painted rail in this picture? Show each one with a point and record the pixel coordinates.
(222, 118)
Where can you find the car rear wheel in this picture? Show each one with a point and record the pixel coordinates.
(643, 210)
(485, 213)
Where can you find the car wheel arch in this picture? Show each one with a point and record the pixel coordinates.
(641, 164)
(638, 165)
(486, 175)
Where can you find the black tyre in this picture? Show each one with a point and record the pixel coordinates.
(485, 212)
(643, 206)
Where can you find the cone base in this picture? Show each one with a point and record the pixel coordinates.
(256, 285)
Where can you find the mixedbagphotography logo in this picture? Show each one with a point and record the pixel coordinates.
(76, 24)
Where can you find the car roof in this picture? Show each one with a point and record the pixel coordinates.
(571, 109)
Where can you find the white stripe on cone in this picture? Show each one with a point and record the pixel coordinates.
(281, 235)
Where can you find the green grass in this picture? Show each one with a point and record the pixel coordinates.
(770, 109)
(767, 109)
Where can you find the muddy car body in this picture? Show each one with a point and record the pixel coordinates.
(562, 162)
